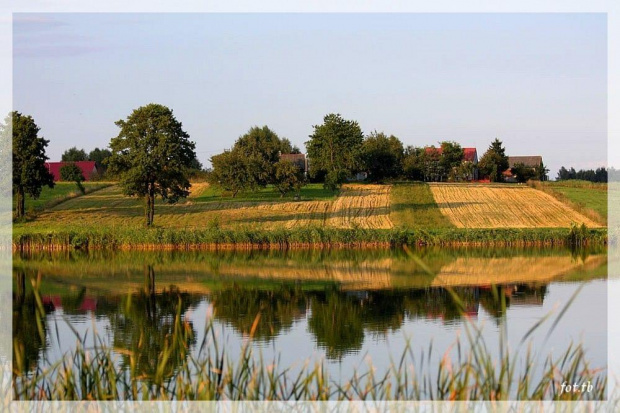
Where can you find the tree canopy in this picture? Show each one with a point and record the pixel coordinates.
(152, 155)
(74, 155)
(382, 156)
(72, 173)
(29, 171)
(494, 162)
(334, 149)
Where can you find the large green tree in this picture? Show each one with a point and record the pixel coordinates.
(74, 155)
(230, 172)
(494, 162)
(451, 158)
(382, 156)
(152, 155)
(334, 149)
(413, 163)
(288, 177)
(29, 171)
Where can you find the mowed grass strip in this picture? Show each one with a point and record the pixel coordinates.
(413, 206)
(504, 206)
(581, 195)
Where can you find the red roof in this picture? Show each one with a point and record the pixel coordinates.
(469, 154)
(88, 168)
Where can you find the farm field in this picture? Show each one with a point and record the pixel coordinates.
(61, 191)
(413, 206)
(585, 194)
(503, 206)
(364, 206)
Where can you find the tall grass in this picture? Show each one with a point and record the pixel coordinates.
(468, 371)
(304, 237)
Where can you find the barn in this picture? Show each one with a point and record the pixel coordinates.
(88, 168)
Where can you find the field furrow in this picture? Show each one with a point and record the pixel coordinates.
(503, 206)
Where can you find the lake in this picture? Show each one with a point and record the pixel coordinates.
(347, 309)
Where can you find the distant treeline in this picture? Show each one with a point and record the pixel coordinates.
(591, 175)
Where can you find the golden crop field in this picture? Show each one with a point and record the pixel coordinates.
(503, 206)
(364, 206)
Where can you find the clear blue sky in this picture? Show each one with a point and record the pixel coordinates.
(536, 81)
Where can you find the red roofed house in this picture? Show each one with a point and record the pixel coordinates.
(88, 168)
(469, 155)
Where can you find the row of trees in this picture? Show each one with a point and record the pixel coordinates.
(338, 150)
(592, 175)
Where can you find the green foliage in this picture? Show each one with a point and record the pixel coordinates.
(382, 156)
(74, 155)
(413, 163)
(541, 172)
(251, 163)
(29, 171)
(288, 147)
(288, 177)
(494, 162)
(523, 173)
(451, 158)
(71, 172)
(152, 155)
(334, 149)
(433, 167)
(231, 173)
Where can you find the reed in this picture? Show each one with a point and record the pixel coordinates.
(468, 371)
(215, 237)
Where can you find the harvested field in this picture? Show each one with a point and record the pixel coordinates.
(363, 206)
(503, 206)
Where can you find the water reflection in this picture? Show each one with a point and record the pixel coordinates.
(342, 297)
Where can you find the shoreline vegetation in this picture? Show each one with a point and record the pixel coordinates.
(300, 238)
(467, 371)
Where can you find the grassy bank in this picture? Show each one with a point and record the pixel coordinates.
(588, 198)
(304, 237)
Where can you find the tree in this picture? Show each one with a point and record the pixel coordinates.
(230, 172)
(541, 172)
(288, 147)
(413, 163)
(382, 156)
(152, 155)
(451, 158)
(29, 171)
(288, 177)
(334, 148)
(72, 173)
(523, 173)
(99, 156)
(433, 169)
(74, 155)
(494, 162)
(260, 147)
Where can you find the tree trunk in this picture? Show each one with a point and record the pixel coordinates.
(150, 205)
(20, 207)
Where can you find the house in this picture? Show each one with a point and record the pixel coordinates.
(297, 159)
(88, 168)
(469, 155)
(529, 161)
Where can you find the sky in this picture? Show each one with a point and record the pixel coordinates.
(538, 82)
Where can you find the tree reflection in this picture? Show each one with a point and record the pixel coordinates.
(151, 328)
(29, 326)
(279, 308)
